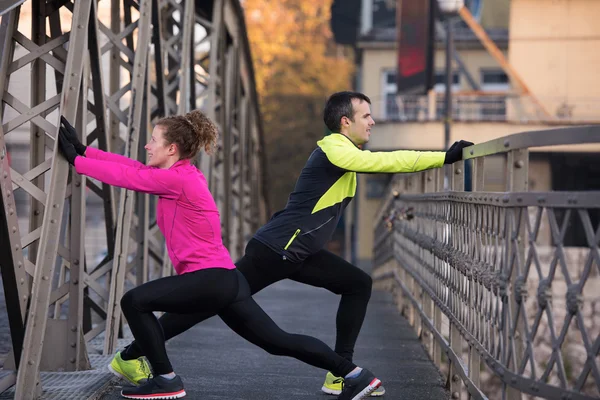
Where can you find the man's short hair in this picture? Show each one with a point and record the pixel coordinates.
(340, 105)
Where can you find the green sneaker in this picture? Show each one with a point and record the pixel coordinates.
(333, 385)
(135, 371)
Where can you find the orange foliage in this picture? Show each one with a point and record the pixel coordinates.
(297, 66)
(293, 49)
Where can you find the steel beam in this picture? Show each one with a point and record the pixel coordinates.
(127, 198)
(28, 373)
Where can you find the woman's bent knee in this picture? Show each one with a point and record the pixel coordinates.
(131, 301)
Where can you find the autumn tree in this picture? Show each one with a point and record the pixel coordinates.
(297, 66)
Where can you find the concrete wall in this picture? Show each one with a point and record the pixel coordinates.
(555, 47)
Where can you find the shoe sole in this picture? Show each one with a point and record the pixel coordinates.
(166, 396)
(122, 376)
(366, 392)
(333, 392)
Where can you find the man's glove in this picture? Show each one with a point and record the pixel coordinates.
(71, 135)
(66, 148)
(454, 153)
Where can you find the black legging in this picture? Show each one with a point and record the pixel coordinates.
(196, 296)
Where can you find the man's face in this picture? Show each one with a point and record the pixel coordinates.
(359, 130)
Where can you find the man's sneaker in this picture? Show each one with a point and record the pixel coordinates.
(333, 385)
(135, 371)
(360, 386)
(156, 388)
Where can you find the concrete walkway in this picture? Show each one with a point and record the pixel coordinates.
(215, 363)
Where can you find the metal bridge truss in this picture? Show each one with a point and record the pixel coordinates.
(112, 71)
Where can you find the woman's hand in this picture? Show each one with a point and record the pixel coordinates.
(70, 134)
(66, 148)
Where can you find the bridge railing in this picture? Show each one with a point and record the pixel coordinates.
(504, 302)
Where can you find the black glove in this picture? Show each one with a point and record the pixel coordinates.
(66, 148)
(454, 153)
(71, 135)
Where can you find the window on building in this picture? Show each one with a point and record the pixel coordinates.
(390, 107)
(494, 80)
(440, 87)
(440, 81)
(407, 108)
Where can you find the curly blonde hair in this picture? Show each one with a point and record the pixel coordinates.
(190, 132)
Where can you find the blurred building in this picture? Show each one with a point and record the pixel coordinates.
(553, 46)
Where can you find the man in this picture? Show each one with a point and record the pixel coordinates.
(291, 244)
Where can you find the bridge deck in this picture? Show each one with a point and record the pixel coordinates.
(215, 363)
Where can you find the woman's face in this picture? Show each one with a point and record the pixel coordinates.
(160, 154)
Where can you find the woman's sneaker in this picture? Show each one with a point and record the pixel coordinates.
(135, 371)
(360, 386)
(333, 385)
(156, 388)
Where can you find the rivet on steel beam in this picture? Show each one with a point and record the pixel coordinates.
(72, 360)
(455, 378)
(73, 344)
(17, 247)
(6, 174)
(52, 221)
(8, 193)
(76, 261)
(11, 211)
(455, 395)
(519, 164)
(513, 380)
(55, 206)
(471, 151)
(24, 297)
(36, 212)
(44, 278)
(19, 264)
(73, 328)
(14, 229)
(458, 171)
(77, 184)
(506, 143)
(30, 362)
(75, 281)
(396, 193)
(80, 26)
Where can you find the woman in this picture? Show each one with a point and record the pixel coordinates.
(207, 282)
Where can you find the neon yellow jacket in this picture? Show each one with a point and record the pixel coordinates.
(326, 185)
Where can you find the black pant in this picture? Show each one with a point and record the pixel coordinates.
(262, 267)
(193, 297)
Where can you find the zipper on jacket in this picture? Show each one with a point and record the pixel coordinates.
(292, 239)
(318, 227)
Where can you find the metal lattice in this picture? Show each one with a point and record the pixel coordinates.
(113, 68)
(495, 265)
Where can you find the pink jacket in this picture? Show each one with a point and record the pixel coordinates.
(186, 212)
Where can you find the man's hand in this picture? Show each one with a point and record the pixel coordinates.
(71, 135)
(454, 153)
(66, 148)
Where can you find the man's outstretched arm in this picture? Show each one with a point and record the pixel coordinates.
(348, 157)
